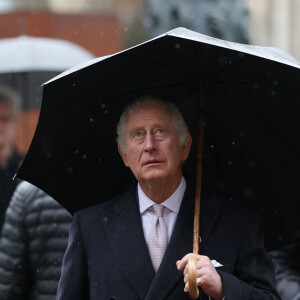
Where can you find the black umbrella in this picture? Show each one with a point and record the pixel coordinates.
(252, 106)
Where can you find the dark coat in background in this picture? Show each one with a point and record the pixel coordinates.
(287, 268)
(7, 184)
(33, 242)
(107, 256)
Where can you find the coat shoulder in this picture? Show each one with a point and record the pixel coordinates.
(114, 205)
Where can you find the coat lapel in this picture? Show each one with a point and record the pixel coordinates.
(181, 243)
(126, 237)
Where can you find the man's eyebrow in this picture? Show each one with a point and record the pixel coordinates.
(141, 127)
(136, 128)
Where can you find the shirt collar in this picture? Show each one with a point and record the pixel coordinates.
(173, 202)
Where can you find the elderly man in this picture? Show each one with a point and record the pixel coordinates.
(136, 245)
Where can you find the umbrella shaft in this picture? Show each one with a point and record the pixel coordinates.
(201, 126)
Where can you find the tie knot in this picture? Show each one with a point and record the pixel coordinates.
(158, 208)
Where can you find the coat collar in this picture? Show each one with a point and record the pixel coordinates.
(125, 234)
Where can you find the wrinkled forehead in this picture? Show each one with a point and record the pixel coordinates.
(148, 109)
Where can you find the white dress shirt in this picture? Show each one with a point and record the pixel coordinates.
(170, 211)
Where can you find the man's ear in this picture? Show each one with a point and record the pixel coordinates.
(186, 147)
(123, 155)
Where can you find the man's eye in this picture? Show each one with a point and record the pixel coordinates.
(138, 135)
(160, 131)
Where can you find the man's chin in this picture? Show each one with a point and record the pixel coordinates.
(155, 176)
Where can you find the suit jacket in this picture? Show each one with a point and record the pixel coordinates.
(107, 256)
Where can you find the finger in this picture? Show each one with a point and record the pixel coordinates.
(204, 261)
(179, 265)
(183, 262)
(200, 273)
(186, 287)
(186, 270)
(199, 281)
(186, 278)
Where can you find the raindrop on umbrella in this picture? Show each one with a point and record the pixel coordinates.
(222, 186)
(70, 170)
(252, 164)
(248, 193)
(242, 133)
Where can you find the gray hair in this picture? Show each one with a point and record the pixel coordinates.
(179, 123)
(11, 97)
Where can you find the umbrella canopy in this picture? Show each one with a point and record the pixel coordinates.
(252, 147)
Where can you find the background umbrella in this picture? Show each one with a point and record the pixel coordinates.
(27, 62)
(251, 144)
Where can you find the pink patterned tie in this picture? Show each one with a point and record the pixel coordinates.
(158, 237)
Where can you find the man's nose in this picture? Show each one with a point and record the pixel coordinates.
(149, 143)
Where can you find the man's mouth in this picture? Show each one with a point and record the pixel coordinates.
(151, 162)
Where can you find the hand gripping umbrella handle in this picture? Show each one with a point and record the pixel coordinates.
(193, 289)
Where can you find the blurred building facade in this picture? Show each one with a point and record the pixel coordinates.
(224, 19)
(276, 23)
(272, 22)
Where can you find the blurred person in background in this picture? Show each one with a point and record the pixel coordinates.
(287, 267)
(10, 158)
(33, 242)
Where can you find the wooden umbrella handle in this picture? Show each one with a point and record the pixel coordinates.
(193, 288)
